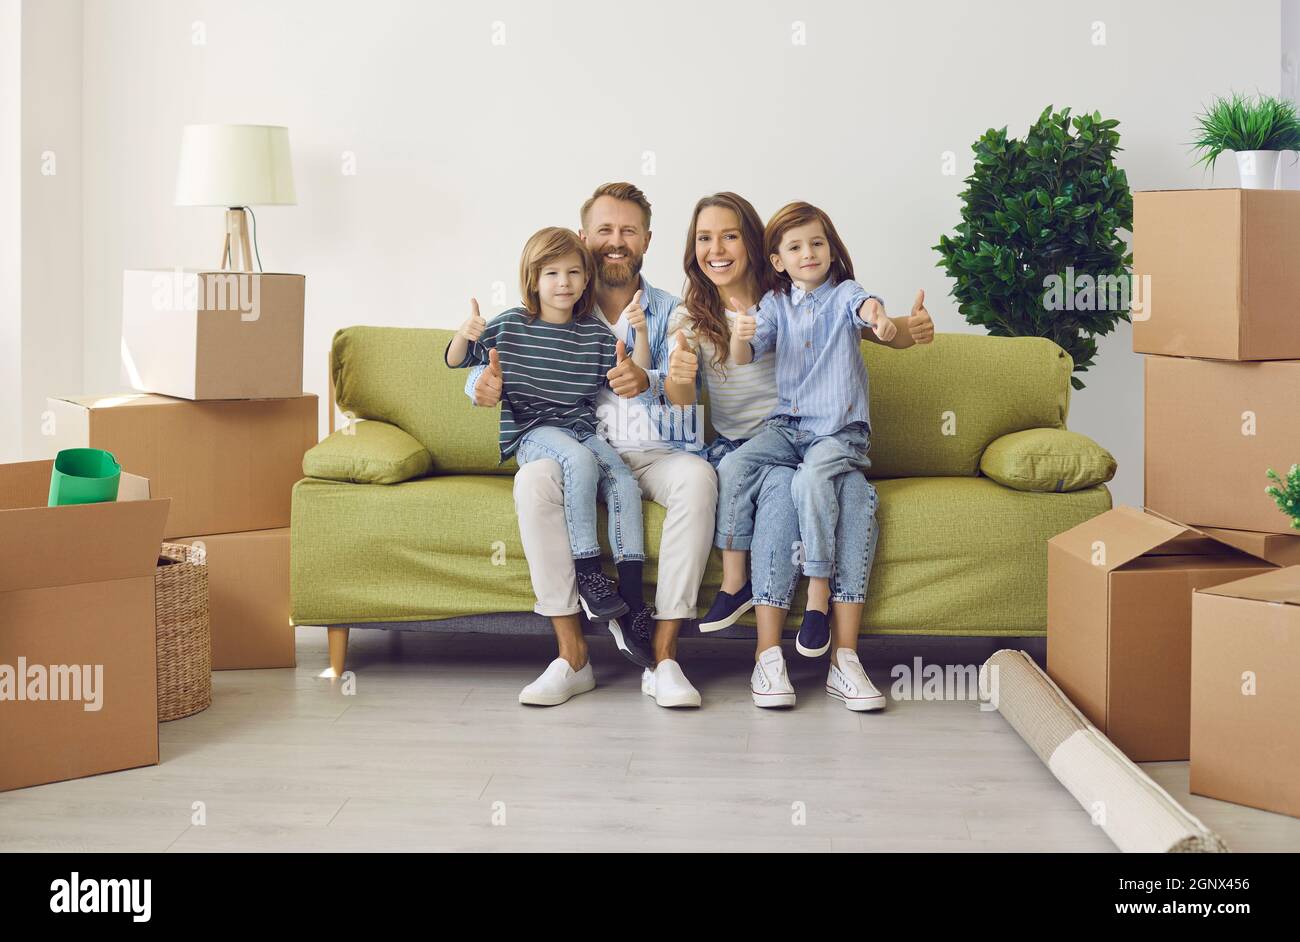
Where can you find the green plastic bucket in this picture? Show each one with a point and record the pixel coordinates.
(84, 476)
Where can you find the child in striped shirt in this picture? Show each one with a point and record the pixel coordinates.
(552, 358)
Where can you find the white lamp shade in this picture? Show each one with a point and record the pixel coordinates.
(235, 165)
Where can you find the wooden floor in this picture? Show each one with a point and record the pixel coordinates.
(433, 752)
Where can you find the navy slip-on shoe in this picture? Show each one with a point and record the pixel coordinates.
(814, 638)
(727, 609)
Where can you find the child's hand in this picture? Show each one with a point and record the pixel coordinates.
(919, 324)
(682, 364)
(487, 391)
(873, 312)
(626, 378)
(473, 328)
(635, 314)
(746, 324)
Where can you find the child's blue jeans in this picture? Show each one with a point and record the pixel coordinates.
(818, 461)
(592, 469)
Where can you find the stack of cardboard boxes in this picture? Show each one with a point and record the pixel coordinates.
(1177, 629)
(220, 427)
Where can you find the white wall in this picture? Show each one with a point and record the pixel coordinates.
(11, 390)
(463, 147)
(52, 158)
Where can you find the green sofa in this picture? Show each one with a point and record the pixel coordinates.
(405, 520)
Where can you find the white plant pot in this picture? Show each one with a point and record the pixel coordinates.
(1258, 169)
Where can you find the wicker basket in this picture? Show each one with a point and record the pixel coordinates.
(184, 632)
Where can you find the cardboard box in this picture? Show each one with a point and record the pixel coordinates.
(1245, 695)
(248, 595)
(213, 335)
(76, 609)
(1119, 617)
(1212, 431)
(1279, 549)
(227, 465)
(1221, 270)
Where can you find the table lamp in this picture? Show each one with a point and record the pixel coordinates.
(235, 166)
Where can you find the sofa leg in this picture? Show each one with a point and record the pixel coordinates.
(338, 649)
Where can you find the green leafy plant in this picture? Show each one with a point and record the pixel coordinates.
(1286, 493)
(1241, 122)
(1038, 215)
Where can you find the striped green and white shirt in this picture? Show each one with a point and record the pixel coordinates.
(550, 373)
(739, 398)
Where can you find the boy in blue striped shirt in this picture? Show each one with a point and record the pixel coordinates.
(821, 425)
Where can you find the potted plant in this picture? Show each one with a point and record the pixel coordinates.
(1038, 251)
(1286, 493)
(1255, 128)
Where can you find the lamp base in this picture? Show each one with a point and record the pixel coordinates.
(237, 248)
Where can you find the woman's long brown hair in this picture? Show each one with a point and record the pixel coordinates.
(704, 305)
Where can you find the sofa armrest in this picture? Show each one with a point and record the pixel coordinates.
(1047, 459)
(368, 452)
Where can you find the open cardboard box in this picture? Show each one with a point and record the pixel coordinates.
(78, 677)
(213, 335)
(228, 465)
(1119, 623)
(1220, 265)
(1246, 691)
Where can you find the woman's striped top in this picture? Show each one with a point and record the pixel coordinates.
(740, 397)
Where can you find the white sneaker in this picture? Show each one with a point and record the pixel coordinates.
(847, 681)
(669, 686)
(557, 684)
(770, 685)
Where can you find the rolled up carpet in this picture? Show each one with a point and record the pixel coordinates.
(1135, 812)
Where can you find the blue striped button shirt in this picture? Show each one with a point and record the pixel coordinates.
(820, 378)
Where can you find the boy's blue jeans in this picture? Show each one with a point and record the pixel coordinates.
(817, 460)
(592, 469)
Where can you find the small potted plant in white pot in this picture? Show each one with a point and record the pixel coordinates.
(1256, 129)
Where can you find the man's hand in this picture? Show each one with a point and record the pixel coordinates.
(626, 378)
(873, 312)
(635, 314)
(487, 391)
(472, 329)
(682, 364)
(919, 324)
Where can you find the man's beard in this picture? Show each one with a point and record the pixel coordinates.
(618, 274)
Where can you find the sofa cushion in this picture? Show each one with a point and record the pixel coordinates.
(1047, 459)
(934, 408)
(957, 555)
(367, 452)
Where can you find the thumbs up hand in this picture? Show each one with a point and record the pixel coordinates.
(919, 323)
(626, 378)
(487, 391)
(873, 312)
(746, 324)
(473, 328)
(635, 314)
(683, 365)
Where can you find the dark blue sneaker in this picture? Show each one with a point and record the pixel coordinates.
(814, 637)
(727, 608)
